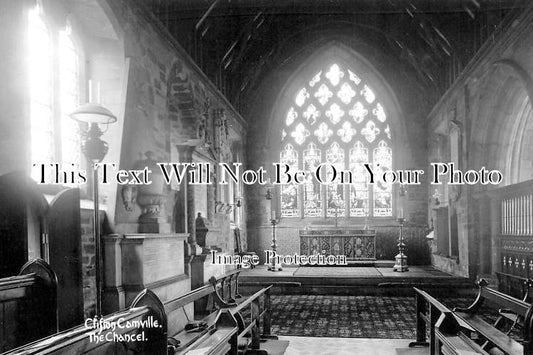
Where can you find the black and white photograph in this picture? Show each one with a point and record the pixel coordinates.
(266, 177)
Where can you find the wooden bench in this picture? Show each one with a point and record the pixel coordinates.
(28, 305)
(222, 294)
(494, 337)
(259, 311)
(218, 337)
(514, 285)
(453, 336)
(227, 286)
(147, 333)
(444, 330)
(508, 315)
(226, 330)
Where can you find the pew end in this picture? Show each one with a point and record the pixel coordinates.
(146, 333)
(33, 294)
(464, 329)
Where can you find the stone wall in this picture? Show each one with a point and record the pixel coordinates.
(170, 103)
(482, 120)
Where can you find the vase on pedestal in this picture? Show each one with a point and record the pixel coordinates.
(151, 198)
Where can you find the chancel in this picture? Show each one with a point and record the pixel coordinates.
(273, 177)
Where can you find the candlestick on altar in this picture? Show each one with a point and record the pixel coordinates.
(401, 258)
(274, 266)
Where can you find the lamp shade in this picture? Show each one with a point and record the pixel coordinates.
(93, 113)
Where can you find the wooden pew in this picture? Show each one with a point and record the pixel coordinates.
(249, 337)
(219, 337)
(492, 335)
(514, 285)
(28, 305)
(454, 337)
(227, 286)
(508, 315)
(177, 315)
(444, 330)
(146, 333)
(223, 295)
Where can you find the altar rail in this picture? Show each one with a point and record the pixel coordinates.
(511, 230)
(517, 210)
(516, 229)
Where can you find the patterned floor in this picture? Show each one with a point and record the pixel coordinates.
(337, 271)
(347, 316)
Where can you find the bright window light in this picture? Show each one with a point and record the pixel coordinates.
(40, 70)
(70, 97)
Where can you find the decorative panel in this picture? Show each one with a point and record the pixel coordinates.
(354, 244)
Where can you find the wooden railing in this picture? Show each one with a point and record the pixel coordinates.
(465, 331)
(28, 305)
(516, 229)
(506, 233)
(428, 311)
(517, 210)
(146, 335)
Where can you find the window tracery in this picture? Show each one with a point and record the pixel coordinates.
(336, 119)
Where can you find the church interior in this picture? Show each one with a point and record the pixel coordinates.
(266, 177)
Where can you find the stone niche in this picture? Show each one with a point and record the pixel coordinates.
(137, 261)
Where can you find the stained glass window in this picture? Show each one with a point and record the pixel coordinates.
(335, 190)
(359, 189)
(382, 191)
(337, 119)
(312, 188)
(289, 192)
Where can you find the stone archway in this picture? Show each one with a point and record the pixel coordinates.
(500, 139)
(500, 131)
(266, 133)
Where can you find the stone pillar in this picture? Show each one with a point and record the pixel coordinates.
(186, 220)
(211, 198)
(495, 231)
(485, 235)
(442, 231)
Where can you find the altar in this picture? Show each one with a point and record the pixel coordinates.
(356, 244)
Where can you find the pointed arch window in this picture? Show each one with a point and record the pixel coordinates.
(41, 87)
(336, 118)
(54, 73)
(69, 86)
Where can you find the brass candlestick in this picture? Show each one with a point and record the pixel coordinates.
(273, 265)
(401, 258)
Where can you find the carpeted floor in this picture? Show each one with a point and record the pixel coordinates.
(349, 316)
(337, 271)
